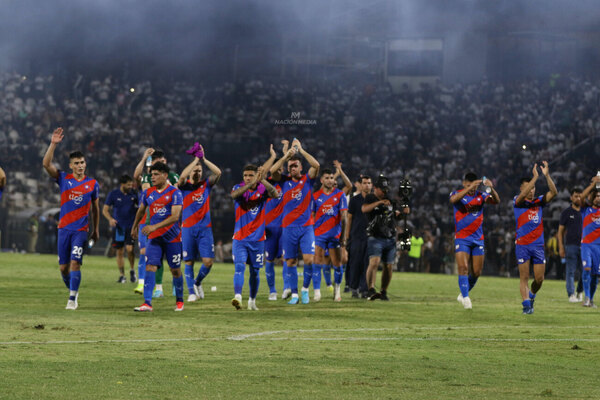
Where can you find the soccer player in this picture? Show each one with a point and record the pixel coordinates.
(381, 213)
(273, 220)
(590, 241)
(197, 235)
(78, 193)
(529, 247)
(468, 238)
(569, 244)
(249, 232)
(124, 203)
(164, 202)
(298, 222)
(155, 156)
(330, 209)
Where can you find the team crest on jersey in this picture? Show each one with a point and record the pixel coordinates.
(86, 187)
(167, 197)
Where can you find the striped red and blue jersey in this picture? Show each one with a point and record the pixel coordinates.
(160, 206)
(468, 216)
(328, 212)
(250, 214)
(528, 216)
(297, 198)
(591, 225)
(274, 206)
(196, 204)
(75, 201)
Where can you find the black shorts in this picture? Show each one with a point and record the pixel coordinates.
(122, 237)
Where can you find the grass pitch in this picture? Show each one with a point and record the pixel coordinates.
(420, 345)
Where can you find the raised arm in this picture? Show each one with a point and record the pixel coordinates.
(586, 192)
(187, 171)
(286, 156)
(216, 172)
(347, 183)
(57, 137)
(139, 169)
(271, 191)
(313, 171)
(495, 197)
(552, 192)
(530, 185)
(455, 198)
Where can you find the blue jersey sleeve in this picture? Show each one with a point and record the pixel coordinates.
(177, 198)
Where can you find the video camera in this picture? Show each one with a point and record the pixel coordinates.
(404, 194)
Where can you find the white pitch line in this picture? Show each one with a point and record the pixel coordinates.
(109, 341)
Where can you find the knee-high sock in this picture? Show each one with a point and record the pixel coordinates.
(286, 281)
(159, 274)
(178, 285)
(204, 270)
(327, 274)
(74, 284)
(463, 285)
(593, 286)
(142, 267)
(308, 269)
(66, 279)
(472, 281)
(586, 277)
(238, 278)
(270, 274)
(149, 282)
(338, 274)
(189, 278)
(316, 276)
(254, 281)
(293, 278)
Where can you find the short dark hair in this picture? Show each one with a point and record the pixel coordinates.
(524, 179)
(295, 157)
(576, 190)
(125, 178)
(160, 167)
(158, 154)
(470, 177)
(363, 177)
(326, 171)
(250, 167)
(76, 154)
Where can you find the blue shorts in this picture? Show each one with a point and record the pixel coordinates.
(474, 248)
(273, 243)
(70, 246)
(535, 253)
(142, 239)
(158, 248)
(297, 236)
(197, 241)
(590, 257)
(327, 242)
(383, 248)
(122, 237)
(248, 252)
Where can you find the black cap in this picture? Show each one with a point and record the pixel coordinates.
(381, 183)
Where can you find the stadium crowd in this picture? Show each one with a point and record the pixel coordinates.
(423, 134)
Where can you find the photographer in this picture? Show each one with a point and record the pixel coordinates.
(382, 214)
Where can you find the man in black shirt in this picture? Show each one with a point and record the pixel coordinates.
(356, 231)
(570, 249)
(381, 213)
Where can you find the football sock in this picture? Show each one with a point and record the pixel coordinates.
(308, 269)
(270, 274)
(327, 274)
(141, 268)
(293, 278)
(238, 278)
(316, 276)
(286, 282)
(204, 270)
(338, 274)
(472, 281)
(531, 295)
(189, 277)
(149, 282)
(178, 285)
(463, 284)
(159, 275)
(74, 284)
(254, 281)
(586, 278)
(526, 303)
(593, 286)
